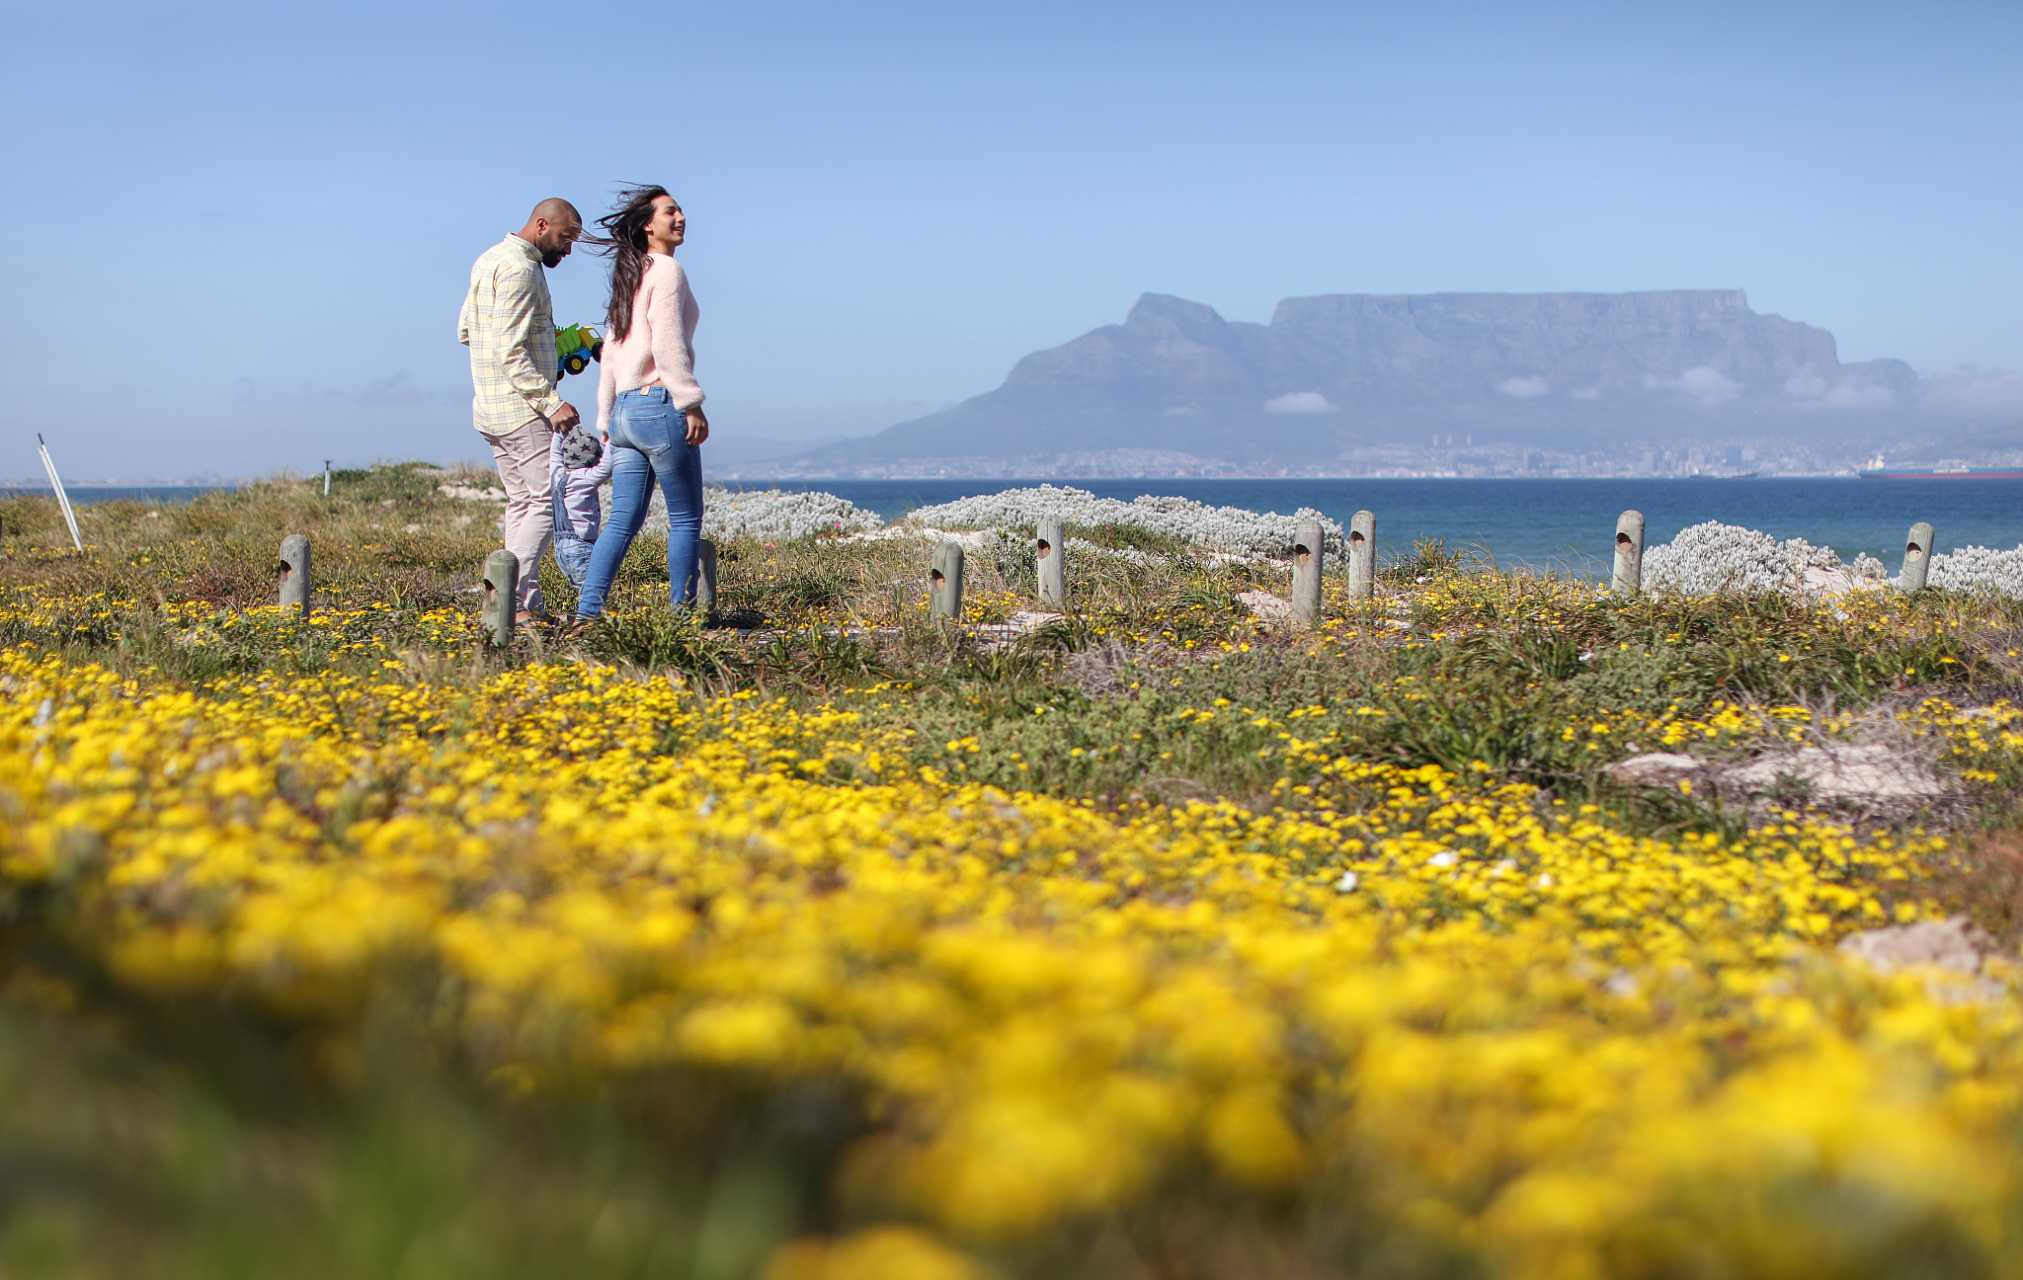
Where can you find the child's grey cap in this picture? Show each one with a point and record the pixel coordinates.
(580, 449)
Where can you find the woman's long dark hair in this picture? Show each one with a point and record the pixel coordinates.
(624, 242)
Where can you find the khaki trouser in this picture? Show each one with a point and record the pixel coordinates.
(529, 521)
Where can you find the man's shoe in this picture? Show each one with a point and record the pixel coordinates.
(524, 618)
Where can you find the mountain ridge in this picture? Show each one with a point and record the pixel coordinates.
(1331, 375)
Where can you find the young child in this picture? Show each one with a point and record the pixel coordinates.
(572, 484)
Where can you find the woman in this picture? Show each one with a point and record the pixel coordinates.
(648, 404)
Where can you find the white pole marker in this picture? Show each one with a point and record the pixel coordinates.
(62, 498)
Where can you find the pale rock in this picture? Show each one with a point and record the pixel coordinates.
(1658, 768)
(471, 492)
(1949, 952)
(1264, 604)
(1953, 943)
(1862, 772)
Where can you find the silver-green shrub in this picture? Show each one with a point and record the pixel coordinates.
(1979, 570)
(1714, 557)
(765, 513)
(1231, 529)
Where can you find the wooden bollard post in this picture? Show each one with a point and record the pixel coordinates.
(705, 575)
(1917, 557)
(1363, 555)
(502, 594)
(295, 573)
(1306, 574)
(944, 582)
(1053, 561)
(1629, 575)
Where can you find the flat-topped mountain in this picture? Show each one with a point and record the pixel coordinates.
(1334, 373)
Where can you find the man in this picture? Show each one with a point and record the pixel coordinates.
(508, 322)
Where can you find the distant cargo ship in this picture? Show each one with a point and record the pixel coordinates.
(1875, 470)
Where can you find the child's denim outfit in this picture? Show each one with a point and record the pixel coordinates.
(577, 517)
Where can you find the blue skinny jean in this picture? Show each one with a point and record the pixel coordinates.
(649, 443)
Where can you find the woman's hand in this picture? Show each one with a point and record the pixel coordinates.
(698, 426)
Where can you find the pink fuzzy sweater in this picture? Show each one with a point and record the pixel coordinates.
(661, 346)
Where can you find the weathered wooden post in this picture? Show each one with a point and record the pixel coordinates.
(502, 594)
(1629, 576)
(705, 575)
(1917, 557)
(1306, 574)
(295, 573)
(1363, 555)
(1053, 554)
(944, 582)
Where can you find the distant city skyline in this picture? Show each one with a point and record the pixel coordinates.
(242, 231)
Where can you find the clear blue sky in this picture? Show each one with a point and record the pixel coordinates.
(241, 233)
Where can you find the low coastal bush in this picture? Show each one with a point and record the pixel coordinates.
(1710, 558)
(774, 513)
(1179, 520)
(1979, 570)
(1714, 557)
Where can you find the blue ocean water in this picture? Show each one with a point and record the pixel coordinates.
(83, 495)
(1569, 525)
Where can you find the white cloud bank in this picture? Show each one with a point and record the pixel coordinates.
(1524, 388)
(1849, 396)
(1813, 392)
(1299, 402)
(1703, 382)
(1805, 385)
(1984, 395)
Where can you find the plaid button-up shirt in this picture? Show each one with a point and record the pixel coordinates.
(508, 322)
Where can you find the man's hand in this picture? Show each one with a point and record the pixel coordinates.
(698, 426)
(565, 418)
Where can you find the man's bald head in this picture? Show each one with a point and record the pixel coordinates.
(555, 209)
(552, 228)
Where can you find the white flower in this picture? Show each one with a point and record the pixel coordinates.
(1348, 882)
(1444, 858)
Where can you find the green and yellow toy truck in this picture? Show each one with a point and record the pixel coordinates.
(575, 347)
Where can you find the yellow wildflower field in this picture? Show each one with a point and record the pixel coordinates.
(1458, 1014)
